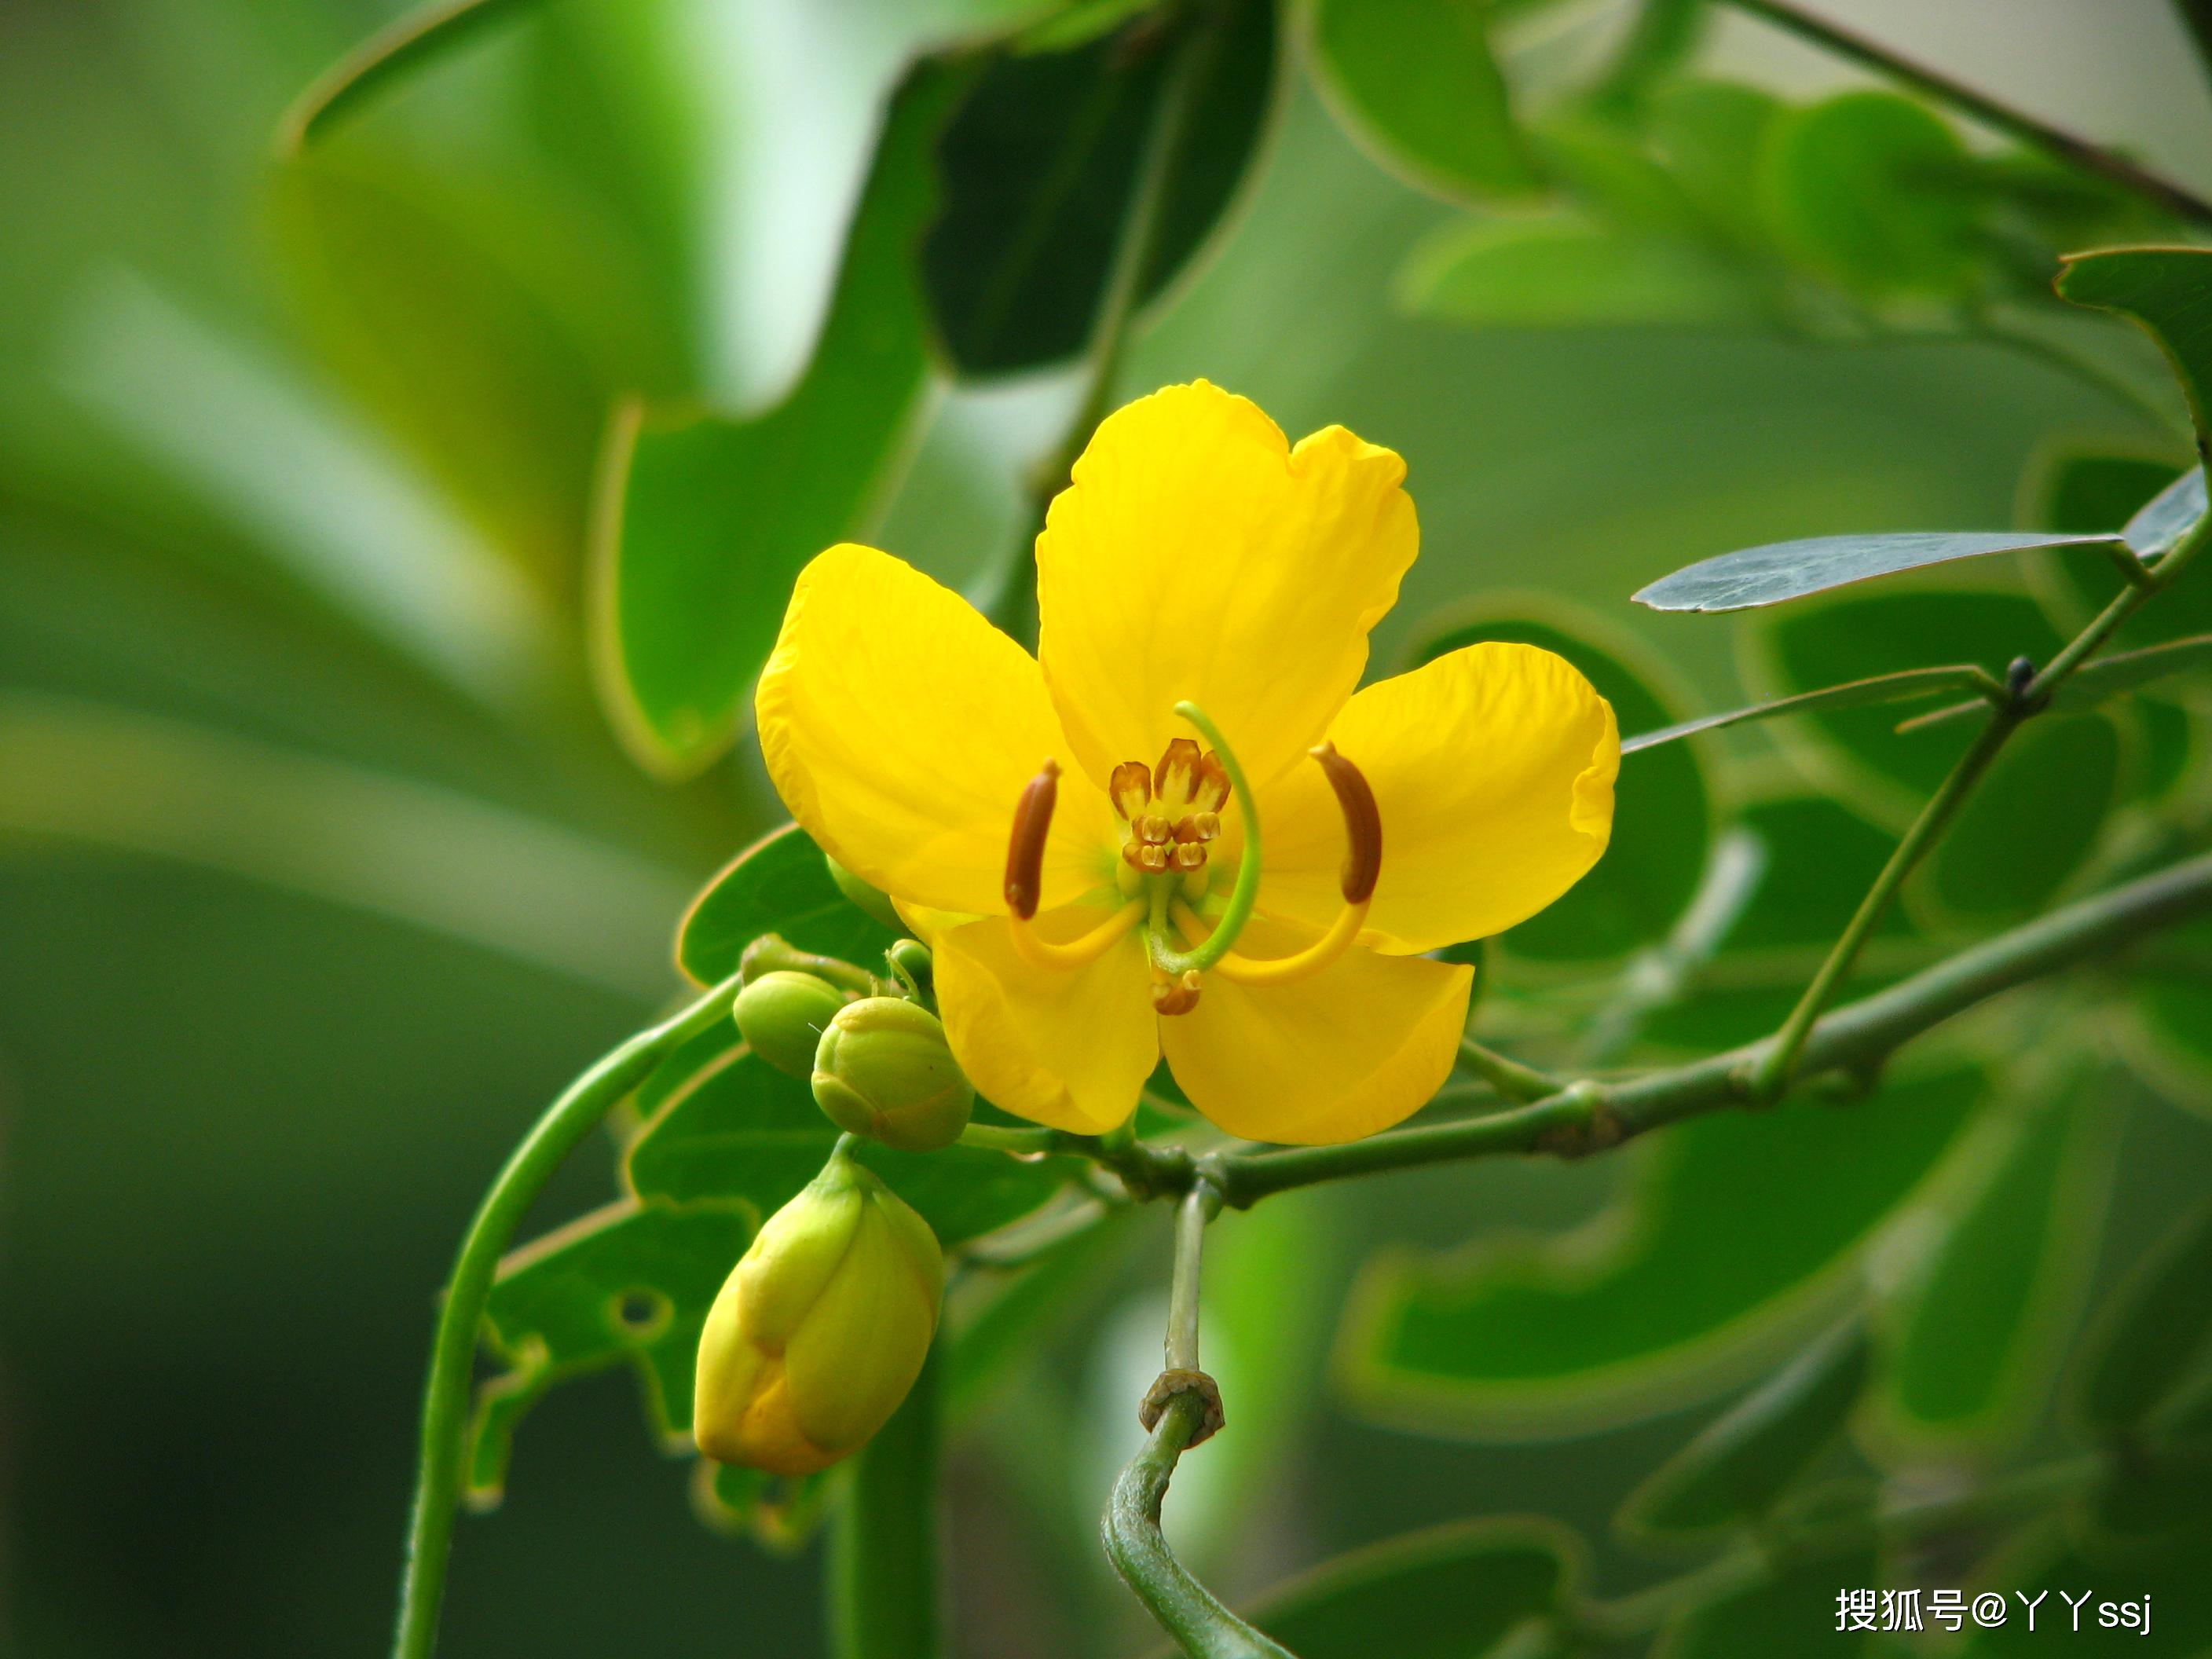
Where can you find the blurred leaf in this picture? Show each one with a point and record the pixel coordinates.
(2161, 289)
(1864, 187)
(2109, 677)
(630, 1283)
(1562, 271)
(2030, 824)
(1040, 165)
(1882, 688)
(777, 1512)
(1661, 37)
(1449, 1592)
(1741, 1463)
(1662, 815)
(1790, 570)
(2171, 995)
(412, 292)
(395, 51)
(1791, 1609)
(2155, 1493)
(2087, 491)
(1021, 1306)
(1079, 23)
(1975, 1337)
(2173, 1581)
(724, 1127)
(705, 521)
(1709, 136)
(1821, 859)
(2152, 1330)
(779, 885)
(1416, 82)
(1736, 1223)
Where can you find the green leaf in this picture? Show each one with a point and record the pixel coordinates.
(1791, 1609)
(1743, 1461)
(2173, 1581)
(1709, 136)
(1790, 570)
(989, 1339)
(391, 54)
(2109, 677)
(1974, 1338)
(1864, 189)
(779, 885)
(704, 521)
(2167, 517)
(2174, 1015)
(2161, 290)
(2151, 1332)
(1040, 165)
(1416, 82)
(1737, 1225)
(1562, 271)
(1662, 812)
(2061, 776)
(1451, 1591)
(1900, 687)
(628, 1284)
(2088, 491)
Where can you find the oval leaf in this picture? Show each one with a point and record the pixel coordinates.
(1564, 272)
(2161, 290)
(779, 885)
(1790, 570)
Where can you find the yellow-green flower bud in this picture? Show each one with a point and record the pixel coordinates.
(821, 1329)
(873, 900)
(883, 1070)
(782, 1017)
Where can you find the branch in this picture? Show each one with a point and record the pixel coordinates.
(2067, 146)
(1588, 1117)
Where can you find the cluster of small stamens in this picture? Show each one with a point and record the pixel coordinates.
(1172, 809)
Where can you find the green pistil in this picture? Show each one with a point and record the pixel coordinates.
(1234, 914)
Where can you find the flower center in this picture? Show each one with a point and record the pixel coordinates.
(1173, 810)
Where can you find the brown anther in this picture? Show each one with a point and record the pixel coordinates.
(1207, 824)
(1025, 846)
(1178, 995)
(1186, 828)
(1209, 792)
(1151, 856)
(1155, 828)
(1131, 788)
(1363, 824)
(1189, 855)
(1175, 778)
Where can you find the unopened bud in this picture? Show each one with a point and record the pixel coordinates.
(820, 1331)
(782, 1017)
(883, 1070)
(873, 900)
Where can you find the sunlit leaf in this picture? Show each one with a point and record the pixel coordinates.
(2162, 291)
(1443, 1594)
(1739, 1464)
(1416, 80)
(1663, 812)
(1790, 570)
(779, 885)
(1563, 271)
(2155, 1326)
(1040, 165)
(1900, 687)
(704, 521)
(1736, 1225)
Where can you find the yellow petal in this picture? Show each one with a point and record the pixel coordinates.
(1355, 1049)
(856, 1353)
(1068, 1049)
(1492, 768)
(900, 728)
(1197, 555)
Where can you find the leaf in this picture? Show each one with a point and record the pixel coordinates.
(1790, 570)
(1562, 271)
(1862, 188)
(2151, 1332)
(1742, 1463)
(2174, 1012)
(1662, 806)
(1737, 1224)
(2167, 517)
(1040, 165)
(1450, 1591)
(1709, 136)
(2088, 491)
(1790, 1609)
(2109, 677)
(1900, 687)
(391, 54)
(704, 521)
(2152, 1494)
(2061, 776)
(779, 885)
(2161, 290)
(1416, 82)
(2172, 1582)
(1972, 1340)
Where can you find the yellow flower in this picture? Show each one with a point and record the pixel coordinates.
(819, 1332)
(1076, 851)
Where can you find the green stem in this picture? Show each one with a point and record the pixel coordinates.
(771, 953)
(1014, 610)
(1858, 1035)
(440, 1470)
(1509, 1077)
(2002, 118)
(884, 1566)
(1198, 1207)
(999, 1137)
(1242, 894)
(1185, 1608)
(1779, 1063)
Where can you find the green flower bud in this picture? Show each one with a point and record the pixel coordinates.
(819, 1332)
(873, 900)
(782, 1017)
(883, 1070)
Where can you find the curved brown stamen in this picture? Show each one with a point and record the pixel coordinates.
(1025, 846)
(1363, 824)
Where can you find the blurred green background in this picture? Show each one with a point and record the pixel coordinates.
(321, 869)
